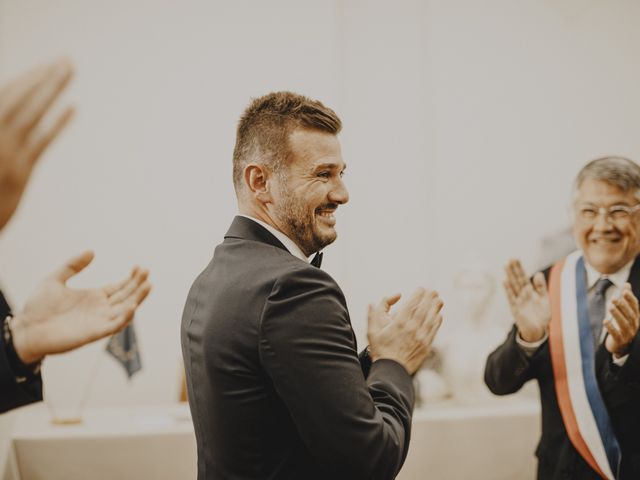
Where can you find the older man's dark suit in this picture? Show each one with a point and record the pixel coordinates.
(274, 382)
(12, 393)
(508, 368)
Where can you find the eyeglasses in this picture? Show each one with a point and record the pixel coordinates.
(615, 214)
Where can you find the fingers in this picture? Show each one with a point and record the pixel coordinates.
(516, 276)
(617, 337)
(623, 305)
(123, 312)
(43, 140)
(513, 278)
(13, 94)
(407, 309)
(31, 103)
(432, 317)
(540, 284)
(631, 300)
(433, 329)
(428, 307)
(129, 289)
(511, 295)
(141, 293)
(625, 325)
(113, 288)
(121, 317)
(73, 266)
(519, 273)
(387, 302)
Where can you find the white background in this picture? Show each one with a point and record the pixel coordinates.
(464, 125)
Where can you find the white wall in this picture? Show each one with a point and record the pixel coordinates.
(143, 174)
(465, 123)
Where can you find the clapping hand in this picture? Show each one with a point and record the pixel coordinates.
(405, 336)
(23, 104)
(57, 318)
(624, 322)
(529, 302)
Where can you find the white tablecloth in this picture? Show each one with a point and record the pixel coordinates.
(120, 443)
(491, 441)
(495, 440)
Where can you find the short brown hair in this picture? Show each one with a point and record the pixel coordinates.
(265, 125)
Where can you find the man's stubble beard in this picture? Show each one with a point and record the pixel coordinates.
(300, 225)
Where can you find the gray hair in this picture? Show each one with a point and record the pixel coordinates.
(622, 172)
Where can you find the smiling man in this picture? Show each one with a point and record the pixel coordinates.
(275, 384)
(579, 337)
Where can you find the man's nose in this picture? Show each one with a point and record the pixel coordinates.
(339, 194)
(603, 222)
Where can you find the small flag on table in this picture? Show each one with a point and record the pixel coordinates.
(124, 348)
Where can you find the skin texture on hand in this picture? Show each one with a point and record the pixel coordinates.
(624, 322)
(57, 318)
(23, 104)
(528, 301)
(407, 335)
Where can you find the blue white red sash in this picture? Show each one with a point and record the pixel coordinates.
(583, 410)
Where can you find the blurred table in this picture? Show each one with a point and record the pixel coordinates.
(124, 443)
(490, 441)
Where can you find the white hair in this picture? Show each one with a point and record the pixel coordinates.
(619, 171)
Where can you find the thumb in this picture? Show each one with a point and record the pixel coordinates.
(540, 283)
(73, 266)
(387, 302)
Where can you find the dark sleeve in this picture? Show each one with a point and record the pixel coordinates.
(354, 426)
(508, 367)
(365, 362)
(12, 393)
(619, 383)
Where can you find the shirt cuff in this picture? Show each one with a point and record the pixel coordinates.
(530, 347)
(620, 361)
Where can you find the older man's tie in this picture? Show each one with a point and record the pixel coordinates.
(596, 307)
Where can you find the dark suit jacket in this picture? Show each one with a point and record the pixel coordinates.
(12, 393)
(508, 368)
(274, 383)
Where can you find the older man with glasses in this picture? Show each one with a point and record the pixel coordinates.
(576, 332)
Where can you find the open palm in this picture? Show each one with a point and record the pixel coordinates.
(57, 318)
(529, 302)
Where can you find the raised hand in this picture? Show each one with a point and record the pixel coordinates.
(57, 318)
(624, 322)
(23, 104)
(406, 336)
(529, 302)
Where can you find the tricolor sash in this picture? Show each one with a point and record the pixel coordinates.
(583, 410)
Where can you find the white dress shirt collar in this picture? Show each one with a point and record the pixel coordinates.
(618, 278)
(289, 244)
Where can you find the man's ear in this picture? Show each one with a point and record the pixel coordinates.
(256, 178)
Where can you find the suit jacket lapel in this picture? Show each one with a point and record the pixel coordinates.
(4, 307)
(634, 277)
(247, 229)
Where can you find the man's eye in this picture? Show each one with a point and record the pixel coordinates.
(324, 174)
(618, 212)
(588, 212)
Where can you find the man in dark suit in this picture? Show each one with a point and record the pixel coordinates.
(607, 230)
(56, 318)
(275, 385)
